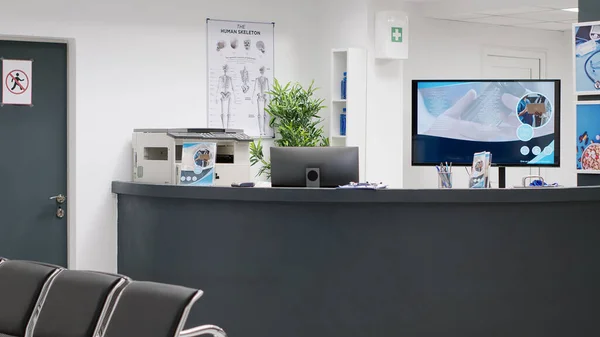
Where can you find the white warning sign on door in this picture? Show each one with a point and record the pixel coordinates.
(16, 82)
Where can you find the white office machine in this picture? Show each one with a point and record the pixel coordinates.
(157, 154)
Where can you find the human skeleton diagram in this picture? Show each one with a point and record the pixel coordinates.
(261, 89)
(260, 46)
(225, 94)
(220, 45)
(245, 80)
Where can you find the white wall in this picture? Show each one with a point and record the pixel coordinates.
(349, 23)
(385, 111)
(447, 50)
(127, 53)
(347, 30)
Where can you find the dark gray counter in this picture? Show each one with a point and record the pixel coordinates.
(532, 195)
(371, 263)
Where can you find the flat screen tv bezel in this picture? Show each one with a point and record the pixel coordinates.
(557, 113)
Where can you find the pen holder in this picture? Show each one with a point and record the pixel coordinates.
(444, 179)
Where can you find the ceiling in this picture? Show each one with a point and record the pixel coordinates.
(534, 17)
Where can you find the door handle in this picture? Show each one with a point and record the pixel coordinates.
(60, 199)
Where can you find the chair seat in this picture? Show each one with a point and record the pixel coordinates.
(151, 310)
(22, 286)
(75, 304)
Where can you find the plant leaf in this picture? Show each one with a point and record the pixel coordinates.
(294, 116)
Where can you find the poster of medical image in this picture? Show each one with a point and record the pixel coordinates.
(588, 136)
(198, 161)
(240, 75)
(513, 120)
(586, 41)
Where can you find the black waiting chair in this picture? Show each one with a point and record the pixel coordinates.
(155, 310)
(77, 303)
(203, 330)
(23, 287)
(38, 300)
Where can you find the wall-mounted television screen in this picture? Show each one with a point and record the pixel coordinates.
(518, 121)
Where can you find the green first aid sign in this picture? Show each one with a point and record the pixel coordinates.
(397, 34)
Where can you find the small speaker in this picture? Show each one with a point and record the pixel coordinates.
(313, 177)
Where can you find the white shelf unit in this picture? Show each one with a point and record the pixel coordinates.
(354, 62)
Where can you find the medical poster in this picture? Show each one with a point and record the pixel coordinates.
(586, 42)
(198, 164)
(240, 75)
(588, 136)
(16, 82)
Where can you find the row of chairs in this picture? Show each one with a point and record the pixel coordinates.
(41, 300)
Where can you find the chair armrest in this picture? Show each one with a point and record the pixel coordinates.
(203, 330)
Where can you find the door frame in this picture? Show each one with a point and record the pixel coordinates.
(519, 54)
(71, 136)
(514, 53)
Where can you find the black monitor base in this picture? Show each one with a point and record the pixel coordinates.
(501, 177)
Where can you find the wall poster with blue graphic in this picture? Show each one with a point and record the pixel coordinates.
(516, 120)
(588, 136)
(198, 164)
(586, 57)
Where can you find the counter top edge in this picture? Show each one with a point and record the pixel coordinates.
(545, 195)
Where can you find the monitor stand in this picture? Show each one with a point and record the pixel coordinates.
(501, 177)
(313, 177)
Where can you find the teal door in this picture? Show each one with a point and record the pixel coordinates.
(33, 159)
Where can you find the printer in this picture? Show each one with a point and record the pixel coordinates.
(157, 154)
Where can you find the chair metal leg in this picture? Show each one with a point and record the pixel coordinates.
(203, 330)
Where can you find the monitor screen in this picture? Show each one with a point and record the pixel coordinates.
(297, 166)
(518, 121)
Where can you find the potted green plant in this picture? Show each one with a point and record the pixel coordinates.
(294, 113)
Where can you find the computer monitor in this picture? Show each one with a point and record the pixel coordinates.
(518, 121)
(313, 166)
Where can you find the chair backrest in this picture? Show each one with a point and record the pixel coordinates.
(76, 302)
(151, 310)
(23, 286)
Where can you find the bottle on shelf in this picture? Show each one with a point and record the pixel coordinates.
(343, 122)
(344, 80)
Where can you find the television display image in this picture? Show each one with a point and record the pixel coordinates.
(587, 57)
(518, 121)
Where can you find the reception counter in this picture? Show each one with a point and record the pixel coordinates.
(341, 263)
